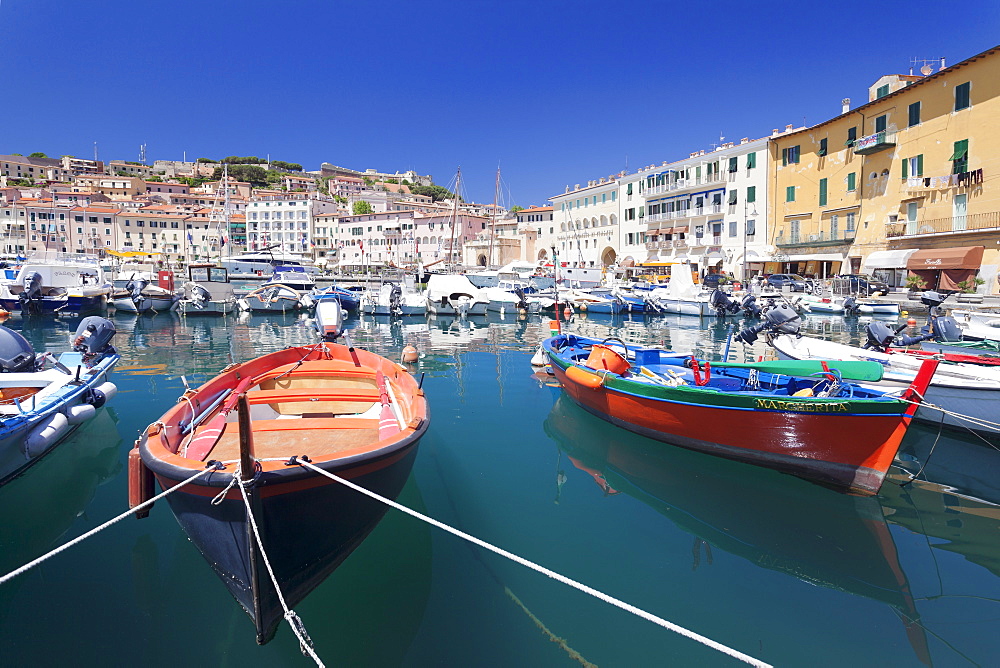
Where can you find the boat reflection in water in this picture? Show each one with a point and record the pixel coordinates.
(836, 540)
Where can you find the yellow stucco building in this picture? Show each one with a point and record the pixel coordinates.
(907, 184)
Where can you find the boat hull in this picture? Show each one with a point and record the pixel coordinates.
(83, 303)
(804, 439)
(144, 305)
(304, 541)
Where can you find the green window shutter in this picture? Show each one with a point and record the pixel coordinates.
(732, 197)
(852, 136)
(784, 157)
(733, 166)
(961, 149)
(751, 194)
(852, 181)
(790, 194)
(882, 91)
(906, 165)
(920, 165)
(751, 160)
(822, 146)
(962, 98)
(642, 211)
(914, 114)
(628, 189)
(822, 192)
(881, 122)
(641, 184)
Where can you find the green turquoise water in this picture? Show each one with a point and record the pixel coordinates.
(778, 568)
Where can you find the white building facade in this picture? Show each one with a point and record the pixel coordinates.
(586, 221)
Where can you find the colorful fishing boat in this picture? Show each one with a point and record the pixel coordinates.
(771, 414)
(39, 406)
(267, 431)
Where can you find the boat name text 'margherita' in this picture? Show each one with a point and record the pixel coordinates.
(802, 406)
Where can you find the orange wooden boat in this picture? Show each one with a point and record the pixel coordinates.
(348, 411)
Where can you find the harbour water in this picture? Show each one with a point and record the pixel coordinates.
(778, 568)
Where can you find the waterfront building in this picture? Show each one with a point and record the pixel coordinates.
(286, 219)
(154, 231)
(112, 186)
(94, 229)
(538, 230)
(898, 185)
(587, 222)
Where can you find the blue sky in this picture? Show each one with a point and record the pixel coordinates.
(555, 93)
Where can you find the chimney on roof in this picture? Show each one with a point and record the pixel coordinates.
(576, 187)
(774, 132)
(788, 128)
(845, 105)
(745, 140)
(567, 188)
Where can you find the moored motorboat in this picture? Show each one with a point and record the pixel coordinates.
(57, 283)
(275, 425)
(40, 407)
(770, 415)
(348, 299)
(140, 296)
(454, 294)
(392, 299)
(274, 297)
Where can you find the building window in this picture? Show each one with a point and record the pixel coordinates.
(751, 160)
(751, 228)
(850, 222)
(852, 136)
(822, 147)
(881, 122)
(732, 228)
(881, 92)
(852, 182)
(960, 157)
(751, 194)
(822, 192)
(962, 98)
(790, 155)
(732, 197)
(913, 166)
(790, 194)
(914, 114)
(733, 164)
(834, 232)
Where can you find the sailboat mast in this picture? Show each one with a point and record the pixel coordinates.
(493, 219)
(454, 219)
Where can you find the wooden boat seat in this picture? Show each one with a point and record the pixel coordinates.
(314, 368)
(316, 437)
(313, 394)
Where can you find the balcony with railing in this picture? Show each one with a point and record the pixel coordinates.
(652, 245)
(879, 141)
(681, 184)
(970, 223)
(680, 243)
(812, 235)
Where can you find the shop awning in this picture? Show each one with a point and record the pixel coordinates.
(819, 257)
(129, 253)
(628, 262)
(714, 255)
(887, 259)
(959, 257)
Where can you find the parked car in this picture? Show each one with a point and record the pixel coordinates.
(714, 280)
(864, 284)
(794, 282)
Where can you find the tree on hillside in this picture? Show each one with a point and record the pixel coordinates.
(362, 207)
(206, 160)
(436, 193)
(515, 209)
(38, 154)
(287, 166)
(256, 176)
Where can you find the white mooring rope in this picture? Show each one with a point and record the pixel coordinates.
(298, 628)
(81, 538)
(541, 569)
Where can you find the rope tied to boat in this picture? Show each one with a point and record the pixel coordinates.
(298, 628)
(979, 422)
(79, 539)
(708, 642)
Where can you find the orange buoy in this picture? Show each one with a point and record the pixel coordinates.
(911, 322)
(4, 314)
(582, 377)
(567, 312)
(410, 354)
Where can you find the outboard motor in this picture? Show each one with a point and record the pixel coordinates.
(395, 299)
(778, 320)
(932, 299)
(945, 328)
(722, 304)
(200, 295)
(31, 296)
(329, 319)
(851, 306)
(16, 354)
(749, 306)
(881, 337)
(522, 301)
(93, 338)
(135, 289)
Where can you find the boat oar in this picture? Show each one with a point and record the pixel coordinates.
(849, 370)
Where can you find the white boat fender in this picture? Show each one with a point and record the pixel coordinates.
(243, 304)
(45, 435)
(102, 394)
(80, 413)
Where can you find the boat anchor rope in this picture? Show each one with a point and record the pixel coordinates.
(708, 642)
(131, 511)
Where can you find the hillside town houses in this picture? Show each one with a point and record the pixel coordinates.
(898, 186)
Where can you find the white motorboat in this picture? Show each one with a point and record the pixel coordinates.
(454, 294)
(967, 394)
(274, 297)
(140, 296)
(207, 293)
(391, 299)
(57, 283)
(683, 297)
(978, 324)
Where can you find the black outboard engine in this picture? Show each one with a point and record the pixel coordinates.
(722, 304)
(200, 295)
(31, 296)
(395, 299)
(881, 337)
(945, 329)
(135, 289)
(851, 306)
(778, 320)
(749, 306)
(16, 354)
(522, 301)
(932, 299)
(93, 338)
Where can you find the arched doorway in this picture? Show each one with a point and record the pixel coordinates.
(608, 256)
(481, 260)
